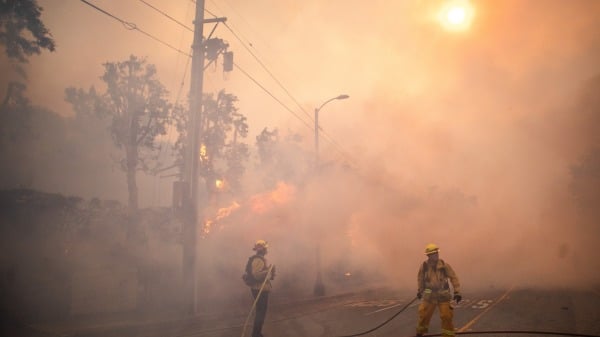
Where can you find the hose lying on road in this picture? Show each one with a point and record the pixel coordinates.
(532, 332)
(384, 323)
(527, 332)
(256, 299)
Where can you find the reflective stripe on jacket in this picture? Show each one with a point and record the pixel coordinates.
(434, 280)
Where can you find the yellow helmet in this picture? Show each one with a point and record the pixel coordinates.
(260, 244)
(431, 248)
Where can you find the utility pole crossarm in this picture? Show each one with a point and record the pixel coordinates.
(213, 20)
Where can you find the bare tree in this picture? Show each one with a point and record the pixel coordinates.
(136, 104)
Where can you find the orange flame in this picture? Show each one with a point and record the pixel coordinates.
(225, 211)
(260, 204)
(221, 213)
(264, 202)
(206, 228)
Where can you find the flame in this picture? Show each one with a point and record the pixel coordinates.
(221, 213)
(203, 152)
(206, 228)
(264, 202)
(225, 211)
(260, 203)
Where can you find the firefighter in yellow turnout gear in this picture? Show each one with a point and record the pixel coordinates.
(434, 291)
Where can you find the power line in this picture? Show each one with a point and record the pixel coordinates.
(209, 12)
(206, 10)
(339, 148)
(244, 44)
(327, 136)
(235, 11)
(270, 74)
(270, 94)
(167, 15)
(268, 71)
(133, 26)
(169, 137)
(244, 72)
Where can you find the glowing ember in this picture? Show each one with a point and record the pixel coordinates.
(203, 152)
(206, 228)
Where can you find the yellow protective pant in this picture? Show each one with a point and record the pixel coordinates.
(426, 310)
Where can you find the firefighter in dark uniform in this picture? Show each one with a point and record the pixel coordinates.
(260, 271)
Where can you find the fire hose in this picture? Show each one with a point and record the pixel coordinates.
(534, 332)
(496, 332)
(384, 323)
(256, 300)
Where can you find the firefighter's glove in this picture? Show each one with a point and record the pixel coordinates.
(273, 273)
(419, 295)
(457, 298)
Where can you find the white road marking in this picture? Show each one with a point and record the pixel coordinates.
(482, 304)
(487, 308)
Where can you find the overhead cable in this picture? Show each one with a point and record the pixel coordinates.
(267, 70)
(327, 136)
(167, 15)
(133, 26)
(270, 94)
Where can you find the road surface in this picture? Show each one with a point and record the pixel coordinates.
(567, 312)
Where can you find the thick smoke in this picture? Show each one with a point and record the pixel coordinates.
(466, 139)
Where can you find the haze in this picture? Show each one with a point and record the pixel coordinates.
(463, 138)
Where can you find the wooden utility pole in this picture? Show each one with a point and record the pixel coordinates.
(190, 198)
(190, 193)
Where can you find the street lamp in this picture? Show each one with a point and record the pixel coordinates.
(317, 125)
(319, 289)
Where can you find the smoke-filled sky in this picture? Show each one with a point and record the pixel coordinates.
(460, 137)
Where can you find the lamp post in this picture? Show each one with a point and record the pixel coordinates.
(317, 125)
(319, 289)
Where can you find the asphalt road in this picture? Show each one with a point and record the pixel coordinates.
(497, 310)
(566, 312)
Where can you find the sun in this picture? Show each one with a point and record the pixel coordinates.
(456, 15)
